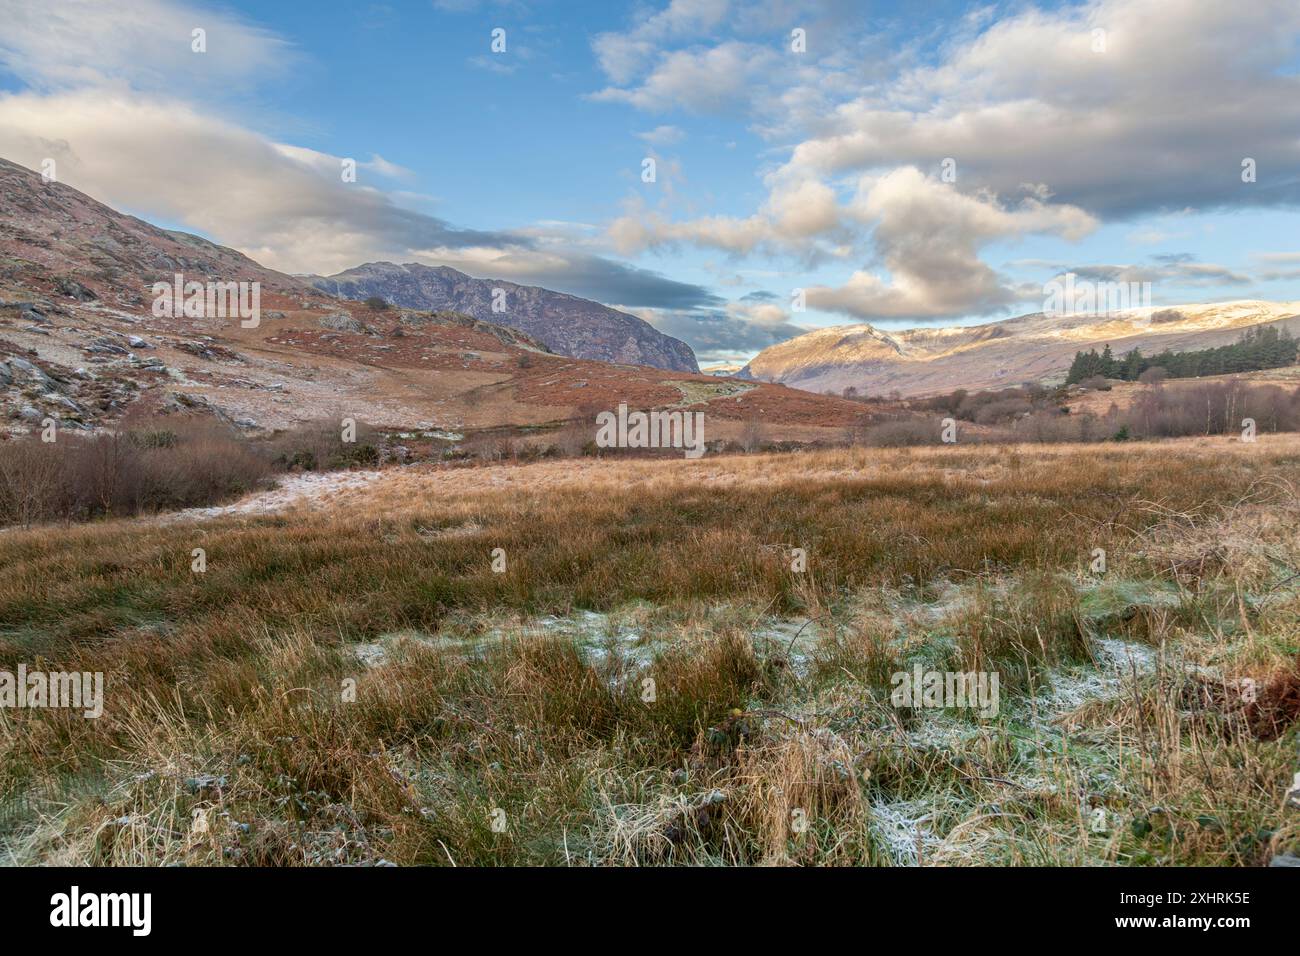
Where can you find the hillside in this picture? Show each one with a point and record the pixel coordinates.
(1036, 347)
(79, 343)
(567, 324)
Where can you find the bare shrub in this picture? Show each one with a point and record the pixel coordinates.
(1003, 410)
(319, 446)
(751, 433)
(901, 432)
(31, 481)
(142, 468)
(1212, 408)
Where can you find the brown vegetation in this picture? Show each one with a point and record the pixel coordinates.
(228, 695)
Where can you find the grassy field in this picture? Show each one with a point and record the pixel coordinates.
(646, 678)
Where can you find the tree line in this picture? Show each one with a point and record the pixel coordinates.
(1258, 348)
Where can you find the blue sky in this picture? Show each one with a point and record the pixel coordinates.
(914, 163)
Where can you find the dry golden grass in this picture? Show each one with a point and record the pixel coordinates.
(229, 735)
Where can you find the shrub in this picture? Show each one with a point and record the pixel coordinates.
(902, 432)
(142, 468)
(1212, 408)
(151, 466)
(319, 446)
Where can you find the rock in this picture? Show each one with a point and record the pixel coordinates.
(1285, 859)
(31, 414)
(37, 329)
(64, 402)
(195, 348)
(181, 401)
(137, 343)
(33, 314)
(6, 376)
(105, 346)
(185, 400)
(23, 370)
(341, 322)
(75, 290)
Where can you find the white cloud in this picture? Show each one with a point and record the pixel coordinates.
(797, 215)
(112, 98)
(703, 81)
(1052, 126)
(285, 206)
(663, 135)
(1160, 119)
(623, 55)
(140, 45)
(928, 236)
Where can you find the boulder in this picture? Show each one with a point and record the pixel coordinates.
(342, 322)
(75, 290)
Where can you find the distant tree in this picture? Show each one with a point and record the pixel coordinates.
(377, 303)
(1154, 375)
(1258, 348)
(1085, 365)
(1109, 367)
(1132, 366)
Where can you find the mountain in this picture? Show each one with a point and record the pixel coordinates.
(1035, 347)
(723, 368)
(60, 241)
(80, 343)
(567, 324)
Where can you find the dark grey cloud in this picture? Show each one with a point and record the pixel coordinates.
(606, 280)
(715, 336)
(1179, 271)
(583, 274)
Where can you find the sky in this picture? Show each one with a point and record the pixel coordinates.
(814, 163)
